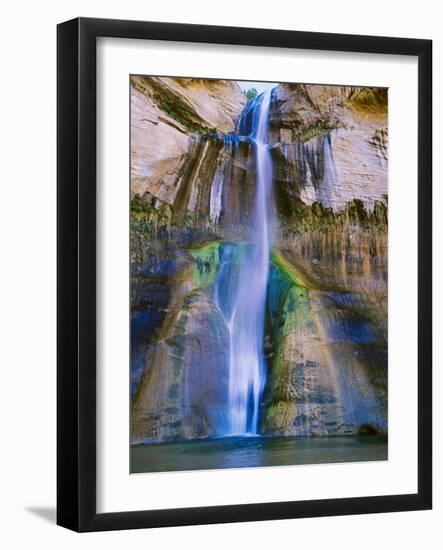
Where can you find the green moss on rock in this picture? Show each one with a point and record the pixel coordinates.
(206, 265)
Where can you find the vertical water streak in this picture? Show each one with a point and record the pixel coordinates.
(215, 201)
(330, 184)
(247, 313)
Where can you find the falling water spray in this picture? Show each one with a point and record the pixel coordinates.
(247, 313)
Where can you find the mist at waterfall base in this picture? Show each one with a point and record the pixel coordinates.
(241, 294)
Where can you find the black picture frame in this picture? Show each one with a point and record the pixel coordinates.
(77, 248)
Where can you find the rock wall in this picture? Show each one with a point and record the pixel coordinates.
(180, 391)
(330, 144)
(329, 147)
(327, 335)
(168, 118)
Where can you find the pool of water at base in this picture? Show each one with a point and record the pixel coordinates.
(247, 452)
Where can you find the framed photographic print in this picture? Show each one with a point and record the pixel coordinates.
(244, 274)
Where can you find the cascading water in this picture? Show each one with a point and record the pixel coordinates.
(244, 272)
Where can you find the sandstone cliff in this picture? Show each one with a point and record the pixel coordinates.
(193, 188)
(331, 143)
(167, 117)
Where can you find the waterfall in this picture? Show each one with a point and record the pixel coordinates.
(245, 279)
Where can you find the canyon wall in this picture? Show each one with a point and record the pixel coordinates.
(192, 194)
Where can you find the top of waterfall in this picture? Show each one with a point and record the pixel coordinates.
(259, 86)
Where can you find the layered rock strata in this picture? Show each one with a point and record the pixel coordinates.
(193, 185)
